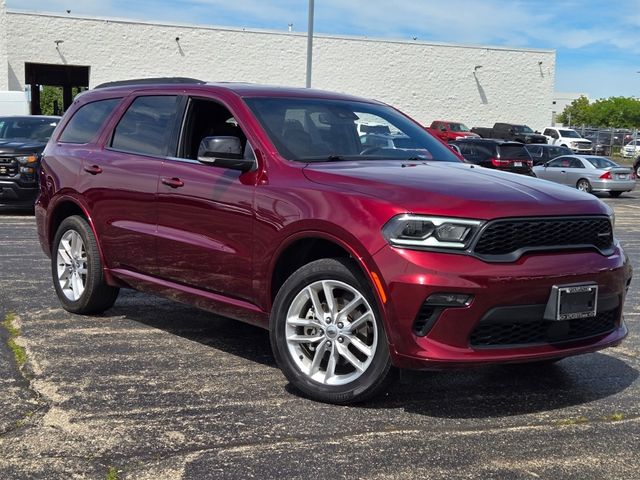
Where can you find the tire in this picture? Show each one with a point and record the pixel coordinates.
(77, 269)
(353, 366)
(583, 185)
(615, 194)
(638, 171)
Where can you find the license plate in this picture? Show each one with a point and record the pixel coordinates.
(622, 176)
(517, 164)
(577, 301)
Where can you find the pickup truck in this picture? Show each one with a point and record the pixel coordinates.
(567, 137)
(510, 131)
(449, 131)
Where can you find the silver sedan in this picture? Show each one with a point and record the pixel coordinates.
(589, 173)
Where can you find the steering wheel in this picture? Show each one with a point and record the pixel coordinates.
(371, 150)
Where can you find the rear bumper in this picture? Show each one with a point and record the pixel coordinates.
(613, 185)
(412, 276)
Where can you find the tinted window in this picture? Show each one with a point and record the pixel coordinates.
(87, 120)
(535, 151)
(146, 126)
(513, 152)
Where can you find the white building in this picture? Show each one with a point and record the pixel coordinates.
(477, 85)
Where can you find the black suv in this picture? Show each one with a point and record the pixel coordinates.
(22, 140)
(498, 154)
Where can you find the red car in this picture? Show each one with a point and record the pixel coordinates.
(450, 131)
(261, 204)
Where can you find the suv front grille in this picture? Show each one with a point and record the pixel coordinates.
(8, 166)
(506, 240)
(537, 332)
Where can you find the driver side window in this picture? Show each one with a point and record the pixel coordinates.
(206, 118)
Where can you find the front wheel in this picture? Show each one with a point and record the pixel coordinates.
(583, 185)
(77, 269)
(327, 335)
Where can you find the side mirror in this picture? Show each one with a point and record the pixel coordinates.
(224, 152)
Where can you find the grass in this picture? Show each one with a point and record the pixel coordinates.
(19, 352)
(112, 474)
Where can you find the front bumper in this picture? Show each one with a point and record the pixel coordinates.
(411, 276)
(12, 193)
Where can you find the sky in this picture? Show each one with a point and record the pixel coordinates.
(596, 41)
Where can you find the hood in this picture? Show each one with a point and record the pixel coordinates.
(455, 189)
(21, 146)
(536, 136)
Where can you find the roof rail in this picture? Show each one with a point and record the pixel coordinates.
(150, 81)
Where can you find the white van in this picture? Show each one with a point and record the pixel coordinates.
(13, 103)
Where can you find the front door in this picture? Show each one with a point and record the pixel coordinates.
(205, 213)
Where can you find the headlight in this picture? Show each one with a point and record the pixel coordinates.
(24, 160)
(417, 231)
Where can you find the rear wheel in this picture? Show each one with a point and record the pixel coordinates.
(327, 335)
(77, 269)
(615, 194)
(583, 185)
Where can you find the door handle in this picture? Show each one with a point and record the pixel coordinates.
(93, 169)
(172, 182)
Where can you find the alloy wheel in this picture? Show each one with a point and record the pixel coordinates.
(331, 332)
(72, 265)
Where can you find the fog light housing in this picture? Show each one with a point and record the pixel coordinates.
(449, 299)
(433, 307)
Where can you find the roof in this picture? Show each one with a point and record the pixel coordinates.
(238, 88)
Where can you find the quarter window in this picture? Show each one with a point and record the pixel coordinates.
(146, 126)
(87, 120)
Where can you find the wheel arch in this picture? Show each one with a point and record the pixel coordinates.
(306, 247)
(67, 206)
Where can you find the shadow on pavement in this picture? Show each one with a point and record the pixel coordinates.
(483, 392)
(508, 390)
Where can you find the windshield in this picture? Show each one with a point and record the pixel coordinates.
(35, 129)
(522, 129)
(601, 162)
(312, 129)
(569, 133)
(459, 127)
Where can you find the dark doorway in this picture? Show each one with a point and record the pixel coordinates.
(54, 86)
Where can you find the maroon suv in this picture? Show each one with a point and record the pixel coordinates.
(262, 204)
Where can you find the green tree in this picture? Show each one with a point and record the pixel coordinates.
(620, 112)
(50, 100)
(577, 112)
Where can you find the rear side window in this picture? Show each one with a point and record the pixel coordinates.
(87, 120)
(146, 126)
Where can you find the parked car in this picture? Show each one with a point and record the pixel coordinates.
(450, 131)
(631, 149)
(261, 204)
(510, 131)
(588, 173)
(636, 168)
(600, 142)
(497, 154)
(22, 139)
(542, 153)
(567, 137)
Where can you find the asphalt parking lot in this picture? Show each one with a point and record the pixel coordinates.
(157, 390)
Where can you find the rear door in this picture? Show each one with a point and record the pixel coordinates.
(574, 172)
(121, 180)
